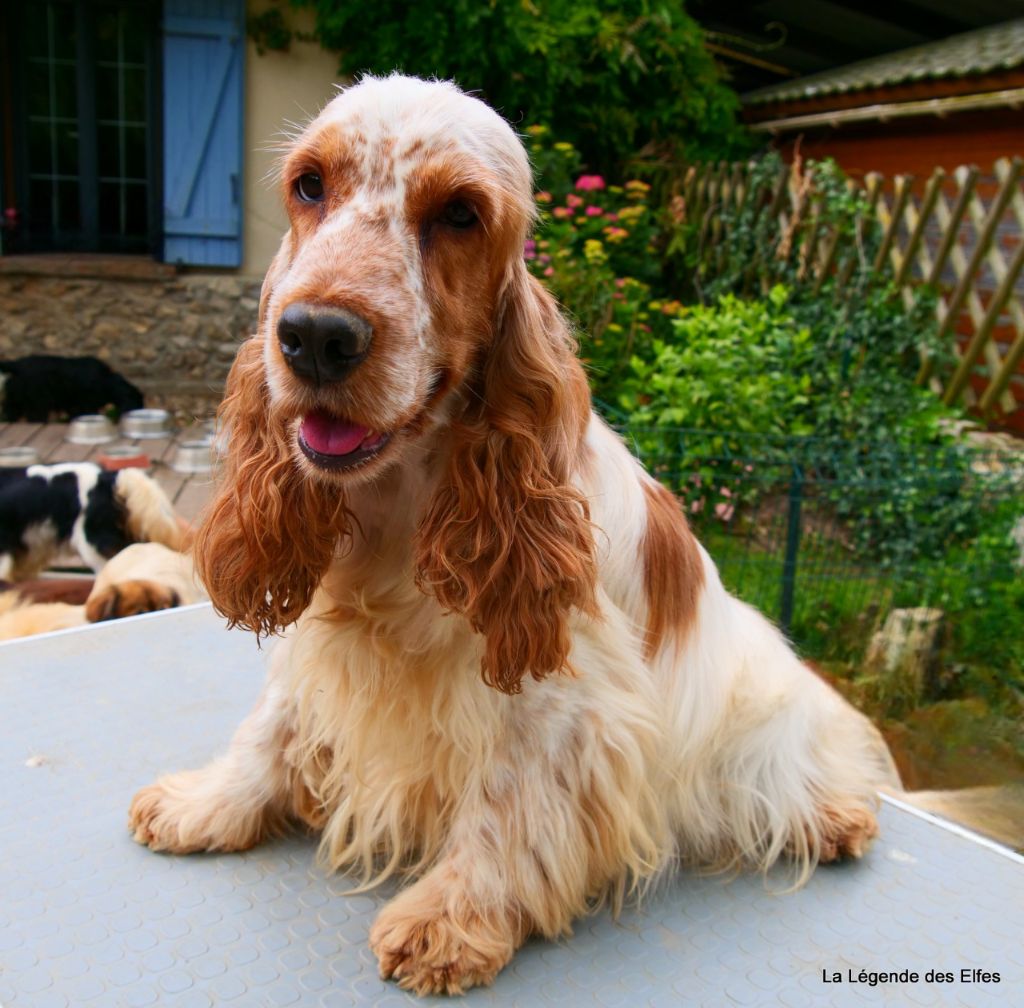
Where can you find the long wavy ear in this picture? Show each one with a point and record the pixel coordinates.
(507, 539)
(269, 534)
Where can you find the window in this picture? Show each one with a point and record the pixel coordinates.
(82, 117)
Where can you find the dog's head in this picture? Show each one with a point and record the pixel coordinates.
(398, 307)
(409, 203)
(124, 396)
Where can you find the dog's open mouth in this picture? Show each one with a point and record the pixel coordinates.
(333, 443)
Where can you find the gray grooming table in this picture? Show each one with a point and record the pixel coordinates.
(89, 918)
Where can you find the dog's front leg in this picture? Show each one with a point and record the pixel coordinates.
(463, 920)
(235, 801)
(538, 833)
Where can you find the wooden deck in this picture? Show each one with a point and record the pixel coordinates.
(188, 493)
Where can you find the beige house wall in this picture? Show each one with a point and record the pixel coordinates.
(280, 88)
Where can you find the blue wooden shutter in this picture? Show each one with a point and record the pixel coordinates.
(204, 56)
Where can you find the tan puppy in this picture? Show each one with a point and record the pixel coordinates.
(144, 577)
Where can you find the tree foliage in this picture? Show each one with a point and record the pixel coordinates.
(610, 76)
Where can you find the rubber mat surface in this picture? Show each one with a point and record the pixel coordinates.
(89, 918)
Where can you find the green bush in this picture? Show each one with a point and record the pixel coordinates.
(980, 586)
(868, 340)
(611, 77)
(736, 366)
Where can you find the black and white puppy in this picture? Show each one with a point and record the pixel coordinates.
(41, 386)
(46, 507)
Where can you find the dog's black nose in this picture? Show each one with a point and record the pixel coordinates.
(321, 342)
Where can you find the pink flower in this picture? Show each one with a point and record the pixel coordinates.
(543, 197)
(594, 211)
(724, 511)
(561, 212)
(572, 200)
(550, 271)
(589, 182)
(530, 249)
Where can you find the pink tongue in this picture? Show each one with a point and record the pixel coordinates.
(330, 436)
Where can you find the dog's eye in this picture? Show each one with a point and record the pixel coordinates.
(309, 187)
(458, 214)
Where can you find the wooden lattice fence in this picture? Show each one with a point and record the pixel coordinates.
(959, 232)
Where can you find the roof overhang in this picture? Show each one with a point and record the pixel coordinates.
(1009, 98)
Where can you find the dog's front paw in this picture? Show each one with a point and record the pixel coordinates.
(162, 818)
(178, 814)
(130, 598)
(431, 950)
(845, 834)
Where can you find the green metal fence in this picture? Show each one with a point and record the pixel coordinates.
(827, 537)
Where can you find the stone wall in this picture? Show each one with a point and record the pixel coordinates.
(172, 335)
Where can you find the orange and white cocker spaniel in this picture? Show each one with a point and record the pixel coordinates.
(507, 667)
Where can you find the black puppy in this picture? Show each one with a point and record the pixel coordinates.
(40, 387)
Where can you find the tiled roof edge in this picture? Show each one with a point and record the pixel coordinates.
(983, 50)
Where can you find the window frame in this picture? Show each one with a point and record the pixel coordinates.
(17, 167)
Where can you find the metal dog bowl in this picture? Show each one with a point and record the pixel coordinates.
(91, 429)
(194, 456)
(123, 456)
(18, 457)
(146, 423)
